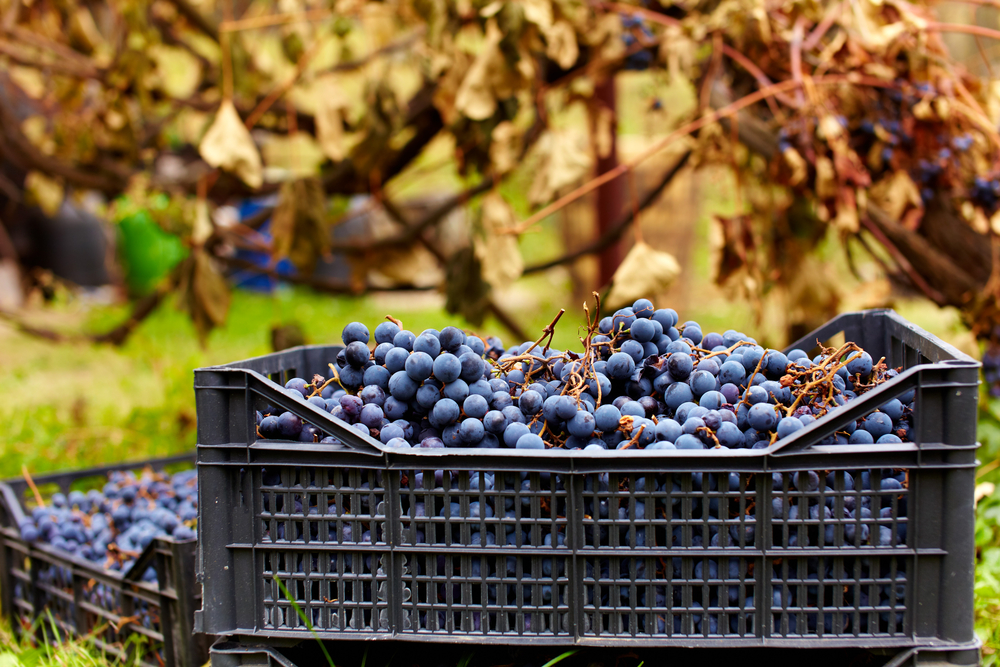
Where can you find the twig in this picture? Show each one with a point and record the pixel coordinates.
(187, 10)
(904, 264)
(979, 30)
(689, 128)
(615, 232)
(31, 483)
(274, 19)
(817, 34)
(277, 92)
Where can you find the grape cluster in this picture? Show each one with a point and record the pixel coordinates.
(645, 381)
(112, 526)
(635, 31)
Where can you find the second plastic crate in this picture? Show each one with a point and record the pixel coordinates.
(41, 586)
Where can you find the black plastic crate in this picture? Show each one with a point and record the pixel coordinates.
(43, 585)
(596, 548)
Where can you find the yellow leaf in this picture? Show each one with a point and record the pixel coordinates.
(476, 97)
(36, 130)
(202, 227)
(46, 193)
(983, 490)
(829, 128)
(291, 157)
(29, 79)
(228, 145)
(561, 44)
(565, 159)
(499, 257)
(538, 12)
(895, 193)
(329, 118)
(943, 107)
(178, 72)
(505, 147)
(922, 110)
(644, 272)
(797, 165)
(84, 30)
(377, 23)
(847, 217)
(826, 178)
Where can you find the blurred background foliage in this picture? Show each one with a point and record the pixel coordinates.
(190, 182)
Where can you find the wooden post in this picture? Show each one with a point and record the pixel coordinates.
(610, 196)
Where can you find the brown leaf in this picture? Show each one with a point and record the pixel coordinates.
(228, 145)
(565, 159)
(505, 147)
(644, 271)
(291, 156)
(895, 193)
(561, 44)
(178, 71)
(210, 288)
(476, 96)
(204, 292)
(498, 254)
(797, 164)
(826, 178)
(331, 104)
(298, 225)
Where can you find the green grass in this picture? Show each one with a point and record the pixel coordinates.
(21, 651)
(77, 405)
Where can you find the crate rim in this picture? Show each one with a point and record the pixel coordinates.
(360, 443)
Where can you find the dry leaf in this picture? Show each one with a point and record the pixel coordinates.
(895, 193)
(331, 104)
(476, 97)
(984, 490)
(644, 271)
(505, 147)
(797, 164)
(204, 292)
(847, 213)
(538, 12)
(923, 110)
(288, 157)
(298, 225)
(561, 44)
(45, 192)
(178, 71)
(498, 254)
(228, 145)
(565, 159)
(202, 228)
(29, 79)
(829, 128)
(826, 178)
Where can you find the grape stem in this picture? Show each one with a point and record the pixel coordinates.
(31, 484)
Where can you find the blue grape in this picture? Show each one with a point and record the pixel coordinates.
(419, 366)
(355, 332)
